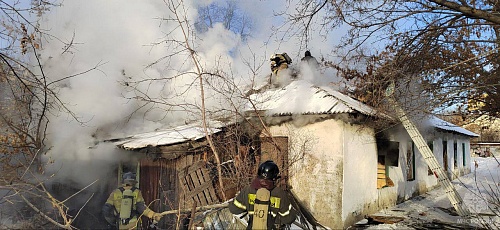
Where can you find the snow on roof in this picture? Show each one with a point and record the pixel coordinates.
(302, 97)
(169, 136)
(441, 124)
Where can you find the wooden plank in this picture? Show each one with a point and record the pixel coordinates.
(385, 219)
(204, 193)
(211, 191)
(194, 167)
(197, 184)
(199, 208)
(196, 187)
(186, 187)
(205, 178)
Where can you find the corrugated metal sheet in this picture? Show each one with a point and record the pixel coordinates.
(441, 124)
(302, 97)
(170, 136)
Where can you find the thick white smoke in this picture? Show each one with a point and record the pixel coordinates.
(114, 39)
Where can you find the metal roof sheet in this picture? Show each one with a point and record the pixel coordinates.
(441, 124)
(169, 136)
(302, 97)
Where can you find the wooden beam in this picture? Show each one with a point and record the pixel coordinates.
(200, 208)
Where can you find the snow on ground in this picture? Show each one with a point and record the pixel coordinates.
(433, 209)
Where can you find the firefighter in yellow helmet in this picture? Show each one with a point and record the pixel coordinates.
(279, 62)
(125, 204)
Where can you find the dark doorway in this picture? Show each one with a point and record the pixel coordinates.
(445, 156)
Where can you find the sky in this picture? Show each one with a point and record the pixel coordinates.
(115, 42)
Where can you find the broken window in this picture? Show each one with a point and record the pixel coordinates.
(388, 155)
(383, 179)
(410, 162)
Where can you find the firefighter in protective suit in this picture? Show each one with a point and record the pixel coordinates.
(310, 60)
(281, 213)
(279, 62)
(126, 204)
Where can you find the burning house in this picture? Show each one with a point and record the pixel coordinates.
(346, 168)
(174, 172)
(338, 167)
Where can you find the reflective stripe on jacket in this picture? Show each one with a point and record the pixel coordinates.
(281, 211)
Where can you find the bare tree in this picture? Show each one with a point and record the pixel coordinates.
(450, 48)
(442, 54)
(217, 94)
(229, 15)
(28, 98)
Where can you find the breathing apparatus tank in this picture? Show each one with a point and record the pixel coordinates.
(126, 206)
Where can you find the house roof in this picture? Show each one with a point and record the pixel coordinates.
(444, 125)
(302, 97)
(168, 136)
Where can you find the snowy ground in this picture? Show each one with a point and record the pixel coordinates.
(433, 210)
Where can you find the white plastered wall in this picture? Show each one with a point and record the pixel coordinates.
(450, 138)
(360, 174)
(316, 179)
(336, 178)
(423, 181)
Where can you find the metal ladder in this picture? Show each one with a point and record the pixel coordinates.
(429, 157)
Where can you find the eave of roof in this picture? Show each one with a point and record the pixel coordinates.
(444, 125)
(302, 97)
(164, 137)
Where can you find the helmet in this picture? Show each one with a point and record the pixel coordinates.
(307, 53)
(268, 170)
(129, 178)
(281, 58)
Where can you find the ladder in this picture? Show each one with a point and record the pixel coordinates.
(429, 157)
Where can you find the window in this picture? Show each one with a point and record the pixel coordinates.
(410, 162)
(455, 154)
(383, 179)
(445, 155)
(388, 155)
(431, 146)
(463, 154)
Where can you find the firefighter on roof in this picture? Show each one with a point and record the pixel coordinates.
(126, 204)
(281, 213)
(278, 62)
(310, 60)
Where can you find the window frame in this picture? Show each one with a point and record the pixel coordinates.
(410, 162)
